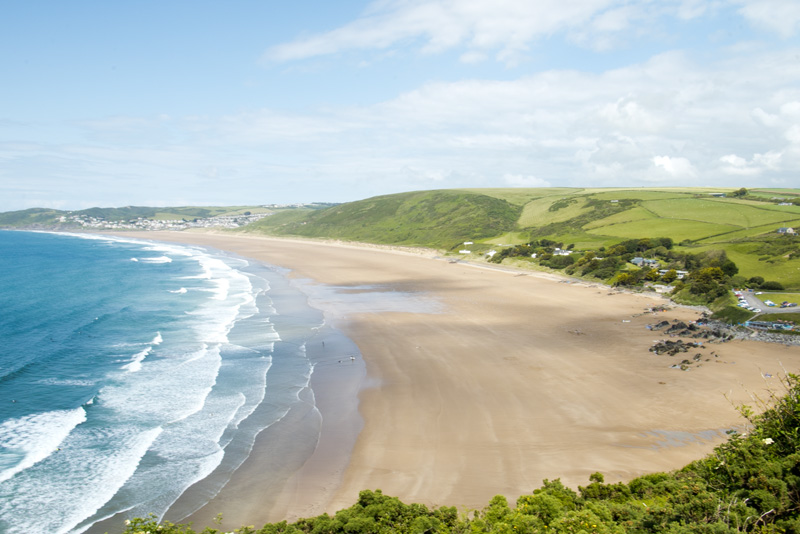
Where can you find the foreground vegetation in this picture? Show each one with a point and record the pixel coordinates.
(751, 483)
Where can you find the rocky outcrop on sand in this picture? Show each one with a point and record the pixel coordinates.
(701, 334)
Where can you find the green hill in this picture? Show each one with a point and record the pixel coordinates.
(440, 219)
(698, 220)
(30, 218)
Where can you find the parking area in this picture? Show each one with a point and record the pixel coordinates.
(750, 300)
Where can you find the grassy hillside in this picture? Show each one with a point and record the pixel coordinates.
(441, 219)
(696, 219)
(33, 217)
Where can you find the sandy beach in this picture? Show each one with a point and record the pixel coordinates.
(482, 382)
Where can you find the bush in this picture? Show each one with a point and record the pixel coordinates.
(772, 286)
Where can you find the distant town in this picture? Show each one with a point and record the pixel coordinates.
(144, 223)
(141, 223)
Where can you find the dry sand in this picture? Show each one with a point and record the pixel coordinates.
(490, 381)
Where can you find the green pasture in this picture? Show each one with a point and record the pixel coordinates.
(509, 238)
(637, 194)
(584, 240)
(776, 192)
(677, 229)
(537, 212)
(745, 233)
(685, 190)
(522, 196)
(634, 214)
(712, 211)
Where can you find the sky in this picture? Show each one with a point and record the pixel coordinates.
(171, 103)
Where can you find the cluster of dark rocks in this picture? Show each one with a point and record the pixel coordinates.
(700, 330)
(705, 331)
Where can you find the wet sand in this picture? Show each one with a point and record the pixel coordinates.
(482, 382)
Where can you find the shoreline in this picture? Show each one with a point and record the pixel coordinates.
(503, 381)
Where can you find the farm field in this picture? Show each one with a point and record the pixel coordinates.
(678, 229)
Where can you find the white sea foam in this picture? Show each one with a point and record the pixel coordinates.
(28, 440)
(178, 291)
(76, 469)
(67, 382)
(136, 363)
(157, 259)
(158, 339)
(134, 259)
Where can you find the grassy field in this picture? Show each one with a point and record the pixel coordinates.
(550, 210)
(715, 210)
(678, 229)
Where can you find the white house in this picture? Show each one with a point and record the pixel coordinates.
(786, 231)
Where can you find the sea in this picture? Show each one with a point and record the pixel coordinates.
(131, 371)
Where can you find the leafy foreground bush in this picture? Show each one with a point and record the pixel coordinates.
(751, 483)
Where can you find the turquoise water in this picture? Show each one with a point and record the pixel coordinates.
(130, 371)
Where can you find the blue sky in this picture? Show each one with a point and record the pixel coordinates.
(246, 102)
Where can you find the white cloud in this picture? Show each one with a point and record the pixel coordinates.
(505, 26)
(793, 134)
(675, 166)
(782, 16)
(737, 165)
(765, 118)
(771, 160)
(519, 180)
(791, 110)
(508, 29)
(627, 114)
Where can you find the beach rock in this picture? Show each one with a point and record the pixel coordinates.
(677, 327)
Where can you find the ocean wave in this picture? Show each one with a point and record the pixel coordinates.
(157, 259)
(28, 440)
(76, 470)
(136, 363)
(178, 291)
(67, 382)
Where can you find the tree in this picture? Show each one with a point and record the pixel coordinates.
(652, 275)
(729, 268)
(708, 282)
(624, 279)
(739, 193)
(670, 276)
